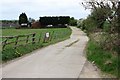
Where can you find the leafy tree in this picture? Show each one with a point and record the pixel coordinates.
(73, 22)
(89, 24)
(118, 17)
(23, 19)
(30, 21)
(103, 10)
(104, 14)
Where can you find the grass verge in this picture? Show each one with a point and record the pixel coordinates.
(104, 60)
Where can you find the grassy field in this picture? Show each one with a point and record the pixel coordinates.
(9, 53)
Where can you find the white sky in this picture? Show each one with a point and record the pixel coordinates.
(11, 9)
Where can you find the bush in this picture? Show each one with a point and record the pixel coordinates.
(73, 22)
(89, 25)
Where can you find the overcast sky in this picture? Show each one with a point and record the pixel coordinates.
(11, 9)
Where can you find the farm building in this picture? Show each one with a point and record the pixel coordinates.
(57, 21)
(36, 25)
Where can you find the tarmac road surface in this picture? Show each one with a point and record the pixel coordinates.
(61, 60)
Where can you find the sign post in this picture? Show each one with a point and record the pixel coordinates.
(47, 36)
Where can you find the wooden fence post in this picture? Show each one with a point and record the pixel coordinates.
(4, 43)
(33, 39)
(44, 40)
(55, 35)
(52, 34)
(27, 39)
(39, 38)
(16, 42)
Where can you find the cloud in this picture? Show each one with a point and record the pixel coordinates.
(35, 8)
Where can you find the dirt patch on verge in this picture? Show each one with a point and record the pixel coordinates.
(89, 71)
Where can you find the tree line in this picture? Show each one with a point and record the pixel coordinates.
(104, 11)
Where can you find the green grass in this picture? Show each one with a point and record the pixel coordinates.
(99, 56)
(9, 53)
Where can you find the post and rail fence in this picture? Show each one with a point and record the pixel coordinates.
(27, 39)
(17, 40)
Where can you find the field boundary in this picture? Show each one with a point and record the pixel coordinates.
(28, 39)
(42, 38)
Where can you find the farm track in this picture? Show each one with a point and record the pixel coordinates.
(62, 60)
